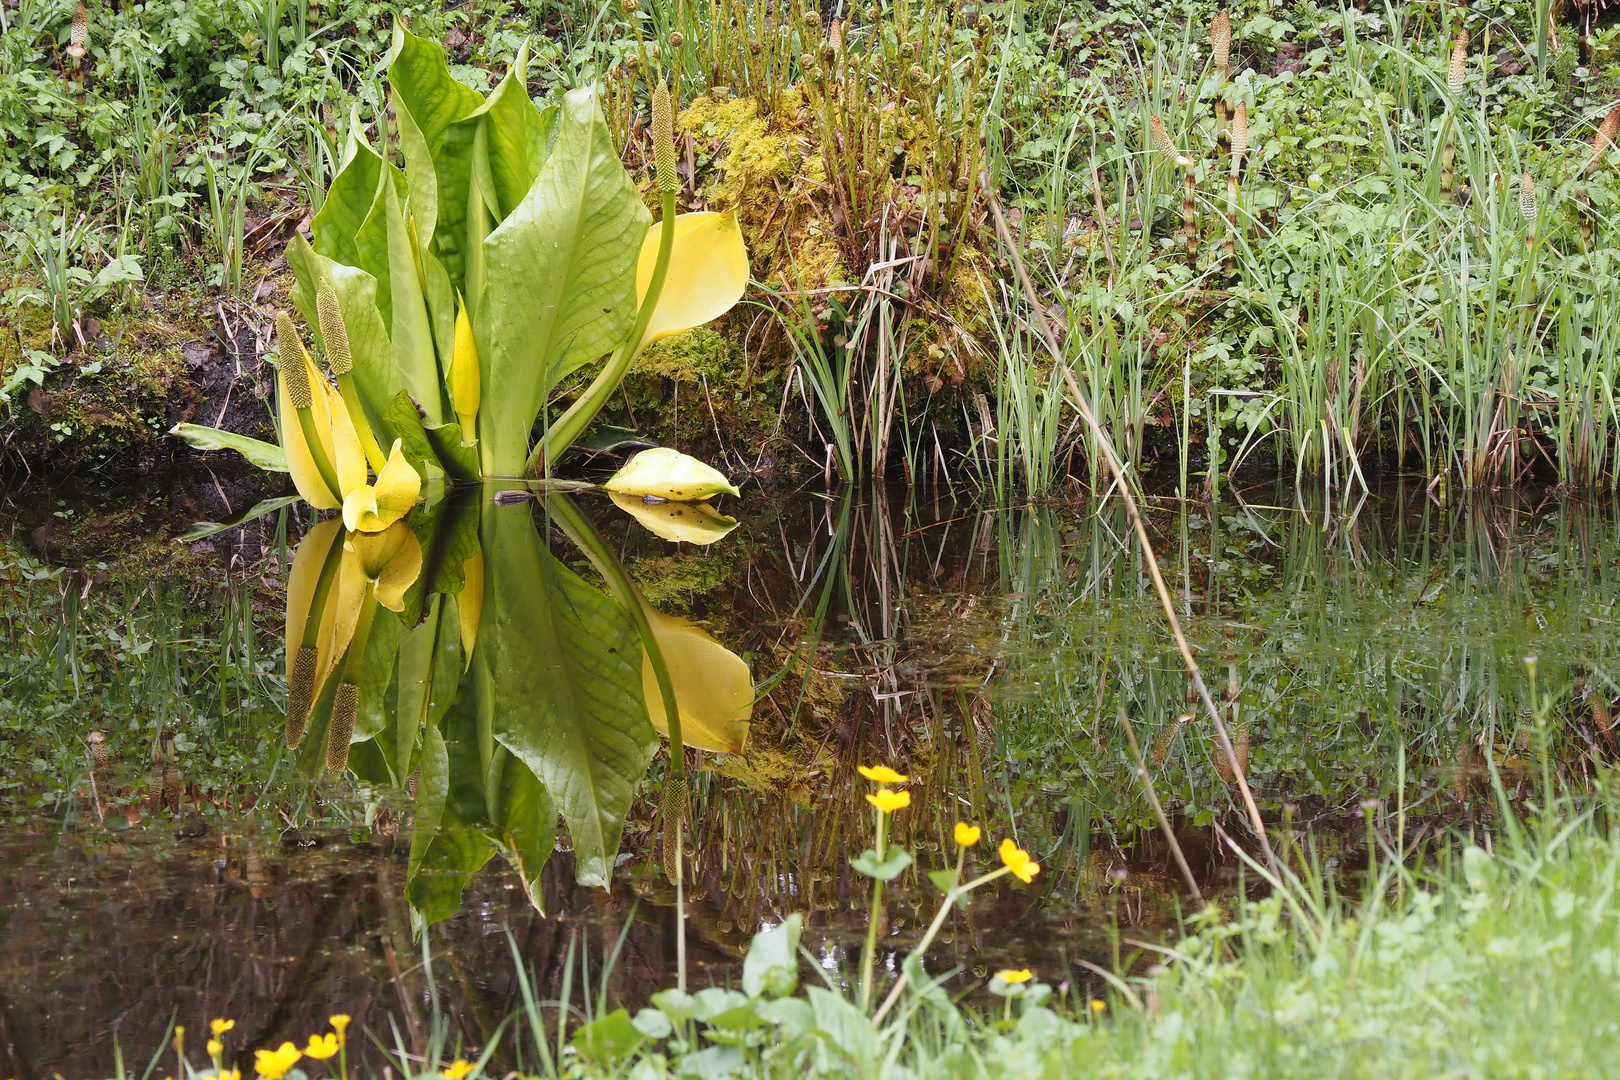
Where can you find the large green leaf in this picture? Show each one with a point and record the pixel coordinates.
(527, 825)
(559, 669)
(409, 323)
(267, 456)
(426, 102)
(449, 843)
(430, 676)
(348, 203)
(560, 280)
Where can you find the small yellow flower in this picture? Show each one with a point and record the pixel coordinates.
(882, 774)
(1014, 976)
(274, 1064)
(456, 1069)
(233, 1074)
(889, 801)
(220, 1027)
(1018, 861)
(322, 1047)
(1098, 1005)
(967, 835)
(215, 1048)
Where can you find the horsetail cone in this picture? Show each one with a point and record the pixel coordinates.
(1220, 37)
(293, 369)
(1604, 139)
(345, 707)
(674, 809)
(80, 34)
(333, 333)
(663, 129)
(1459, 64)
(300, 694)
(1161, 140)
(1527, 198)
(1240, 133)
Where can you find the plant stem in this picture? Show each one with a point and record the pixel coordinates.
(869, 953)
(323, 464)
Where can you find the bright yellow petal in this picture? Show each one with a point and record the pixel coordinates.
(348, 458)
(373, 508)
(470, 603)
(352, 586)
(302, 579)
(714, 690)
(664, 473)
(306, 478)
(690, 523)
(708, 270)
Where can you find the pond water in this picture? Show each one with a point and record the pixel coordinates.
(183, 862)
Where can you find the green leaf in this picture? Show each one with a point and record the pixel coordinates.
(887, 870)
(430, 675)
(772, 964)
(678, 1005)
(376, 675)
(528, 825)
(405, 421)
(410, 326)
(348, 202)
(609, 1039)
(267, 456)
(447, 531)
(519, 138)
(844, 1026)
(653, 1024)
(448, 845)
(560, 280)
(427, 101)
(944, 880)
(559, 664)
(257, 510)
(460, 462)
(725, 1009)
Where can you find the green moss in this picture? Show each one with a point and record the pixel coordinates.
(679, 577)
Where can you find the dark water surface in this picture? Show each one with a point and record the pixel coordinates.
(1370, 659)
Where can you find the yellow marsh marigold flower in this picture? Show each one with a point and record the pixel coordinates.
(882, 774)
(1018, 861)
(889, 801)
(339, 1023)
(230, 1074)
(456, 1069)
(1098, 1005)
(274, 1064)
(967, 835)
(322, 1047)
(1014, 976)
(220, 1027)
(215, 1048)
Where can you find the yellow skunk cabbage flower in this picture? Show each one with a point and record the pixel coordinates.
(311, 622)
(669, 474)
(299, 386)
(465, 388)
(374, 507)
(691, 523)
(714, 690)
(708, 270)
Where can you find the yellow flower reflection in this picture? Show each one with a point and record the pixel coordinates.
(967, 835)
(1018, 861)
(882, 774)
(889, 800)
(1014, 976)
(714, 690)
(684, 523)
(457, 1069)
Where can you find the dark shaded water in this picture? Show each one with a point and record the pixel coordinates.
(1370, 659)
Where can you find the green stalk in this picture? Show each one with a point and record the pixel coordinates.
(869, 953)
(573, 423)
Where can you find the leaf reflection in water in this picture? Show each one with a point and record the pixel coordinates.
(487, 678)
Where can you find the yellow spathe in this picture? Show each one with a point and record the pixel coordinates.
(465, 385)
(688, 523)
(714, 690)
(390, 559)
(373, 508)
(664, 473)
(470, 603)
(708, 270)
(301, 582)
